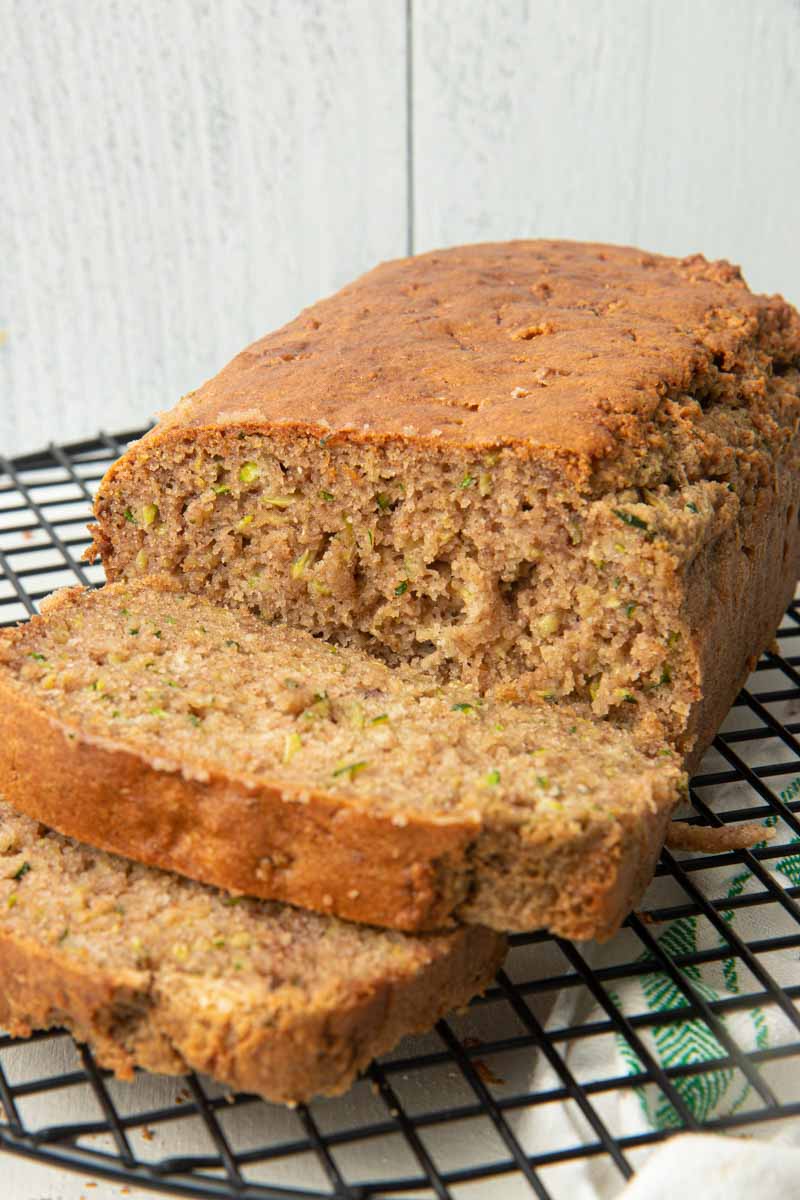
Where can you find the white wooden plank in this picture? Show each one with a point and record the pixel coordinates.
(176, 179)
(672, 124)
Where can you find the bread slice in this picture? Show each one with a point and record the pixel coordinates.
(148, 722)
(158, 972)
(568, 470)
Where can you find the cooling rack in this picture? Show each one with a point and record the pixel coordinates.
(578, 1059)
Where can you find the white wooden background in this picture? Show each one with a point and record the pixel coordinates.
(178, 177)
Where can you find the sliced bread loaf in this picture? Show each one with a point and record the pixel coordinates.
(153, 724)
(556, 468)
(159, 972)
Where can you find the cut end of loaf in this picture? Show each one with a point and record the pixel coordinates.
(479, 568)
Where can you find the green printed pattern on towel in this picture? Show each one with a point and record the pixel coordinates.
(679, 1043)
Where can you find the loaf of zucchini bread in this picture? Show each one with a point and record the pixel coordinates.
(195, 737)
(547, 469)
(157, 972)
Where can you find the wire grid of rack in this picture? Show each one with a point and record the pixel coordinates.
(502, 1100)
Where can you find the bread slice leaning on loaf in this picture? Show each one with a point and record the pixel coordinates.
(151, 723)
(545, 468)
(158, 972)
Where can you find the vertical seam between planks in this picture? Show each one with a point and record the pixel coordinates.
(409, 126)
(644, 114)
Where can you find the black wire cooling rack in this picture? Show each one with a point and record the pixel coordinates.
(578, 1059)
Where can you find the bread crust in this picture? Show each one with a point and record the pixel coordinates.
(738, 591)
(587, 883)
(387, 357)
(137, 1018)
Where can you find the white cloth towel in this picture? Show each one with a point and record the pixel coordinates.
(717, 1168)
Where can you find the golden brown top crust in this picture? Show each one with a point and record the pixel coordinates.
(562, 348)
